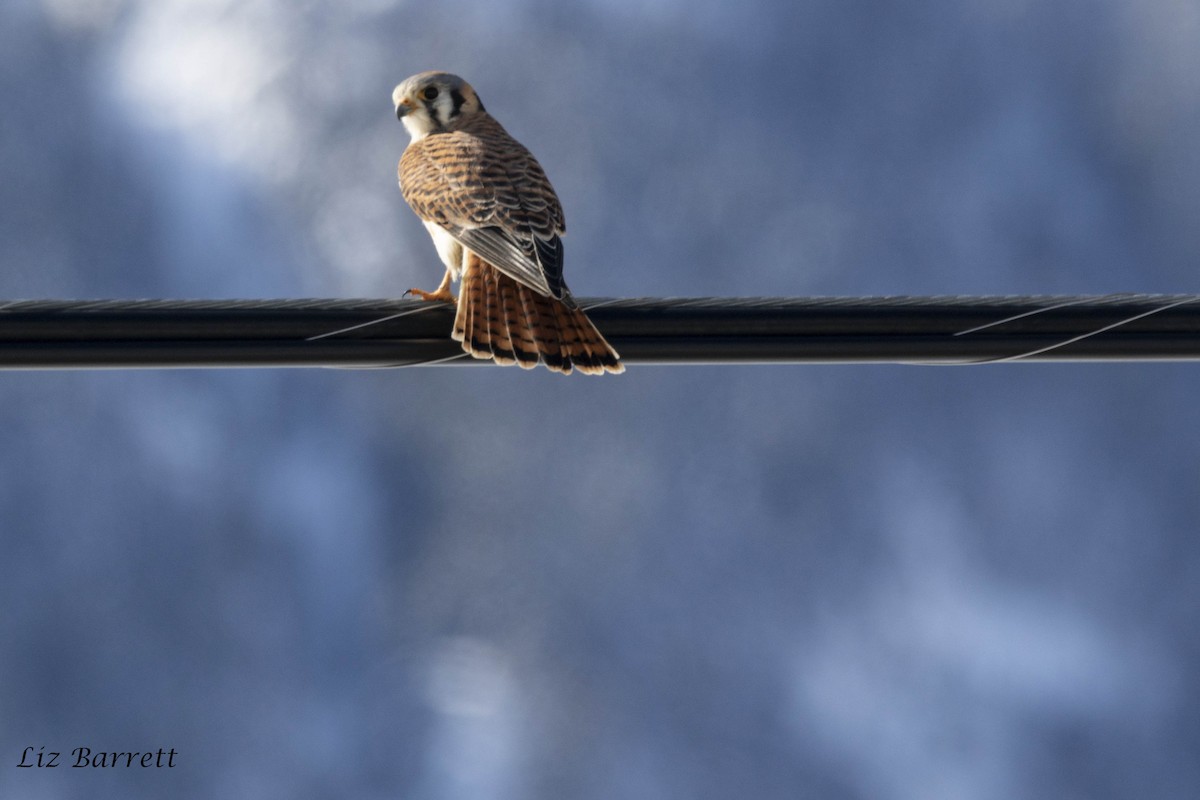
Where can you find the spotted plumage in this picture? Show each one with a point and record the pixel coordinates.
(498, 226)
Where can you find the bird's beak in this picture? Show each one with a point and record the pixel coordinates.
(402, 108)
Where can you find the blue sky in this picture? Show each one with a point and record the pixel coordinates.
(854, 581)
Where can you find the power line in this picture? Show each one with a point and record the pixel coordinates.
(53, 334)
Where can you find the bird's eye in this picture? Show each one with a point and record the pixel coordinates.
(430, 93)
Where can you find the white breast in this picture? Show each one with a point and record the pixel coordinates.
(449, 250)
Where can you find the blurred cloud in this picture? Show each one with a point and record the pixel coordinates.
(73, 15)
(476, 740)
(208, 71)
(703, 582)
(944, 625)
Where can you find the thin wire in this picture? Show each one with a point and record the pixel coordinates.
(1073, 339)
(361, 325)
(1076, 301)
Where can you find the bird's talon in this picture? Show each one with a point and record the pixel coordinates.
(443, 296)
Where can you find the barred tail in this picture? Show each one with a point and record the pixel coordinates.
(501, 319)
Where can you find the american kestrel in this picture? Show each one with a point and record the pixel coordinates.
(496, 223)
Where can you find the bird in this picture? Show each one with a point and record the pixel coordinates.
(497, 225)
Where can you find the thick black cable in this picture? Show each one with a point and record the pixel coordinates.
(46, 334)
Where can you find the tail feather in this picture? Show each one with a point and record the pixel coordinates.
(481, 315)
(510, 323)
(574, 340)
(543, 327)
(599, 352)
(524, 348)
(459, 333)
(469, 296)
(497, 322)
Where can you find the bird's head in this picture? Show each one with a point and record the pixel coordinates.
(433, 101)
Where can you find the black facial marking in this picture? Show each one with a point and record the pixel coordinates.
(429, 96)
(457, 97)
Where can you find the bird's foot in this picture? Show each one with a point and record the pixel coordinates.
(443, 294)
